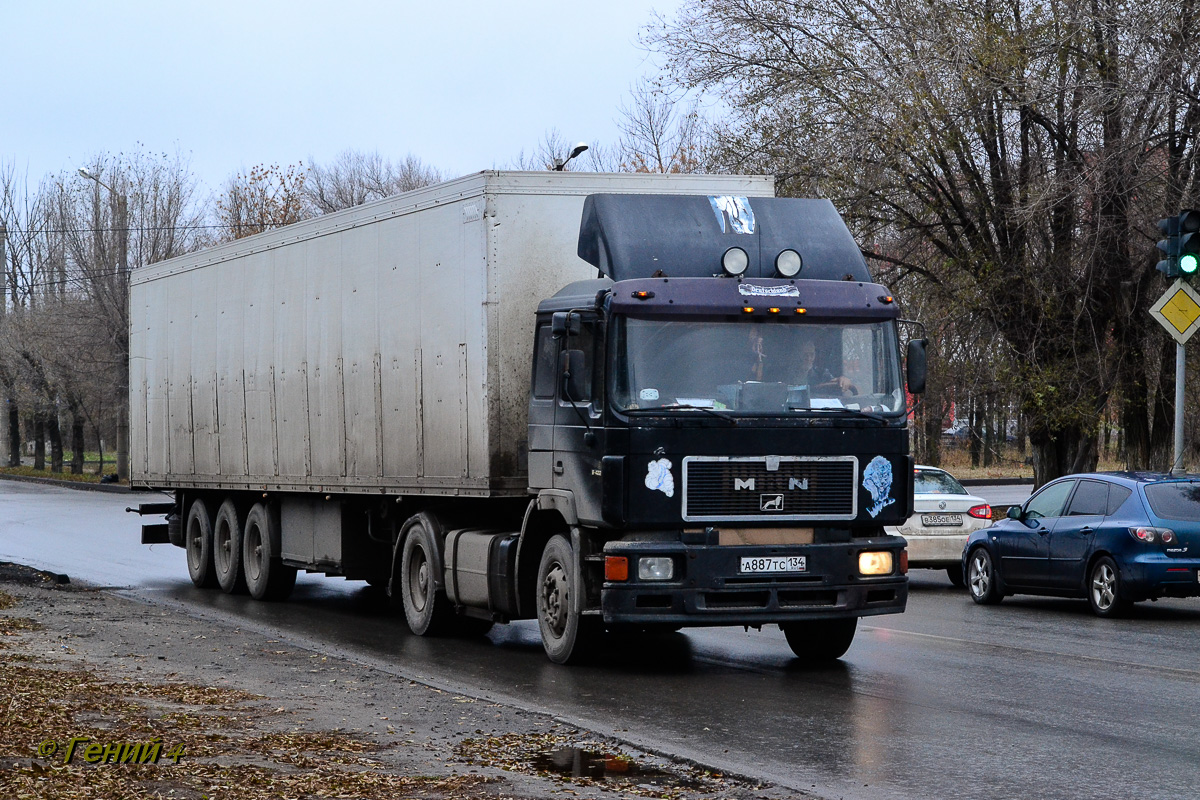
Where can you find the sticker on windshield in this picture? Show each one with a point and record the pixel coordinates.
(750, 290)
(877, 479)
(733, 213)
(648, 394)
(659, 478)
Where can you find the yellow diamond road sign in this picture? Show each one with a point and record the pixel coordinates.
(1178, 311)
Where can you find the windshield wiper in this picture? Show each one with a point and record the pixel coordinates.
(858, 412)
(686, 407)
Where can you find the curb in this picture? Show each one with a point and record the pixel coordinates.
(83, 485)
(996, 481)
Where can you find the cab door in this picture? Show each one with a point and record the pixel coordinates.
(578, 429)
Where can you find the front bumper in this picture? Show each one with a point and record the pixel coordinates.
(708, 588)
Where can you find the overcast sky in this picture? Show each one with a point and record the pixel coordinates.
(462, 85)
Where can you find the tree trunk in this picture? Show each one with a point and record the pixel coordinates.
(1066, 451)
(39, 440)
(14, 434)
(975, 439)
(54, 432)
(77, 443)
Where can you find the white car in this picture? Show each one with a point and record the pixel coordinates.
(944, 515)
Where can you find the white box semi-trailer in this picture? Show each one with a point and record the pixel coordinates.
(382, 349)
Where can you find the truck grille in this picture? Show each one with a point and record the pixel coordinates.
(770, 488)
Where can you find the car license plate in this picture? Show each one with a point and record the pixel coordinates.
(931, 520)
(774, 564)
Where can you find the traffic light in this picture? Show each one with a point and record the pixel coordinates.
(1189, 242)
(1182, 244)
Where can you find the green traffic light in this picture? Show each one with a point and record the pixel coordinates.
(1188, 264)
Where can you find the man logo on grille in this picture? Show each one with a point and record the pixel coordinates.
(770, 502)
(739, 484)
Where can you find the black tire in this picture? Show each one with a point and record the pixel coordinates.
(227, 548)
(1105, 591)
(955, 573)
(821, 640)
(267, 577)
(198, 541)
(983, 581)
(566, 634)
(426, 607)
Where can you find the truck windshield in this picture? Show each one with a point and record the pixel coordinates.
(755, 368)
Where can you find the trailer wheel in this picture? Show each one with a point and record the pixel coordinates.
(227, 548)
(426, 608)
(566, 634)
(821, 640)
(198, 541)
(267, 577)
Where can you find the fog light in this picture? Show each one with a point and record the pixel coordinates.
(875, 563)
(735, 261)
(656, 569)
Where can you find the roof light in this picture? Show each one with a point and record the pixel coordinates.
(773, 310)
(801, 310)
(643, 295)
(788, 263)
(748, 309)
(735, 261)
(886, 298)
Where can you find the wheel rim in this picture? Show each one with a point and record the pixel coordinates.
(254, 552)
(1104, 587)
(554, 600)
(224, 550)
(981, 578)
(195, 546)
(418, 579)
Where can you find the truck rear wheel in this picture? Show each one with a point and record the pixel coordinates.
(227, 548)
(566, 634)
(821, 640)
(198, 541)
(267, 577)
(426, 607)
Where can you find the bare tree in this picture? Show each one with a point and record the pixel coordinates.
(660, 133)
(354, 178)
(263, 198)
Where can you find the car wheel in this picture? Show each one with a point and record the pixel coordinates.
(1105, 592)
(426, 607)
(820, 641)
(982, 578)
(267, 577)
(198, 541)
(227, 548)
(955, 574)
(566, 633)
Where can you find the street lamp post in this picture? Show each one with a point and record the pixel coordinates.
(122, 225)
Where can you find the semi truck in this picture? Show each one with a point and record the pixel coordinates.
(607, 402)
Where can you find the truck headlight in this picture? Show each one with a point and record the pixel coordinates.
(875, 563)
(659, 568)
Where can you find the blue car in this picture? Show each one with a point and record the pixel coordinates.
(1113, 537)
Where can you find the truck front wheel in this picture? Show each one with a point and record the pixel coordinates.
(821, 640)
(426, 608)
(566, 633)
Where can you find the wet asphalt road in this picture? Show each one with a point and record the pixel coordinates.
(1033, 698)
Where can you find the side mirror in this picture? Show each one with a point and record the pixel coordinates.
(574, 374)
(916, 366)
(1014, 512)
(564, 323)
